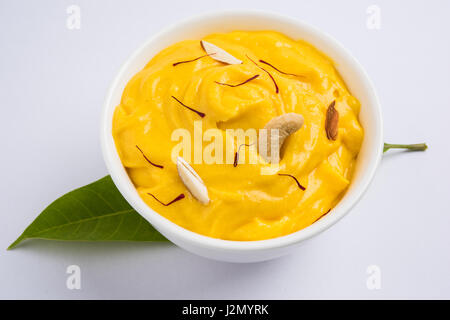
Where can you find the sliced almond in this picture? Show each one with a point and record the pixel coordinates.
(276, 131)
(192, 181)
(219, 54)
(331, 122)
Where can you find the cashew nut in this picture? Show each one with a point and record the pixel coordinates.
(277, 130)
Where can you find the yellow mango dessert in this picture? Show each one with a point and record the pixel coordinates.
(188, 132)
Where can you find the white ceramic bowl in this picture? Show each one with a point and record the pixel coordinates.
(196, 28)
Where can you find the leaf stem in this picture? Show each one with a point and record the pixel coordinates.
(410, 147)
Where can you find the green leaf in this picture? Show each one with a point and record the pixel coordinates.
(96, 212)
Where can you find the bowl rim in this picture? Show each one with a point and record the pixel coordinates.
(176, 233)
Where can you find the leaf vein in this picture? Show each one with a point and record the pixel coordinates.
(101, 197)
(137, 229)
(91, 213)
(81, 221)
(117, 228)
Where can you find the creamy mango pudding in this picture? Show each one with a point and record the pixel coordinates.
(218, 185)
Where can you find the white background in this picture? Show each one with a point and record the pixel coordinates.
(52, 84)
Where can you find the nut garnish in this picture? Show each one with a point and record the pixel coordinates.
(331, 121)
(192, 181)
(279, 128)
(219, 54)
